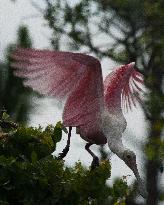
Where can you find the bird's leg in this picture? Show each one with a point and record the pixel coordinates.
(95, 161)
(66, 149)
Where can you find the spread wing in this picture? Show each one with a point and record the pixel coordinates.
(122, 85)
(72, 76)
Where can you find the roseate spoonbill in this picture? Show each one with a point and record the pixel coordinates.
(93, 108)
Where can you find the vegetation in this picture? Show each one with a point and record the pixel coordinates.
(30, 174)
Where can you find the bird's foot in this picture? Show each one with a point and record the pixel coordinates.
(63, 153)
(95, 163)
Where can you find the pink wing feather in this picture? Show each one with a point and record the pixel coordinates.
(76, 77)
(50, 73)
(122, 85)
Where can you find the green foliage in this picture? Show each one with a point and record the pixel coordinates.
(24, 39)
(13, 96)
(120, 188)
(29, 174)
(152, 152)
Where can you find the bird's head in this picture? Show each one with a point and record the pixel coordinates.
(129, 158)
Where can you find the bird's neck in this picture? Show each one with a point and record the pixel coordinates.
(113, 125)
(116, 146)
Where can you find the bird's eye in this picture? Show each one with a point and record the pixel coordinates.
(128, 156)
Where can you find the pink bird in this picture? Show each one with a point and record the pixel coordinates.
(94, 108)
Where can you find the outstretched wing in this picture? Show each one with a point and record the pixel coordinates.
(72, 76)
(122, 85)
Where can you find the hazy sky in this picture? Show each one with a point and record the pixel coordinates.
(11, 16)
(21, 12)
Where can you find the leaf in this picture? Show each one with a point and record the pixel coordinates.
(34, 157)
(64, 129)
(5, 116)
(120, 202)
(57, 133)
(60, 125)
(120, 188)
